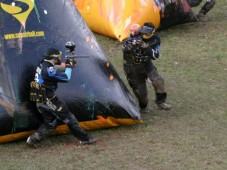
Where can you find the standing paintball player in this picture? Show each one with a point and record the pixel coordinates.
(138, 54)
(53, 110)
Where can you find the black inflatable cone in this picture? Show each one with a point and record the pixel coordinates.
(27, 29)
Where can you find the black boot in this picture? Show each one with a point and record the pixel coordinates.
(88, 142)
(77, 131)
(161, 101)
(34, 139)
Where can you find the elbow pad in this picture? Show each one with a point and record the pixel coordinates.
(68, 72)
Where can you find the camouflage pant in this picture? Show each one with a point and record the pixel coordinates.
(54, 113)
(137, 74)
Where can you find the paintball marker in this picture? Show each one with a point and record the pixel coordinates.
(70, 48)
(132, 40)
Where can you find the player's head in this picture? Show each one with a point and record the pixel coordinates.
(147, 30)
(54, 54)
(135, 29)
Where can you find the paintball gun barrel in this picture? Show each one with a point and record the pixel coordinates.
(76, 56)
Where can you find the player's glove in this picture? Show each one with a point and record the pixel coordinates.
(70, 62)
(127, 47)
(144, 45)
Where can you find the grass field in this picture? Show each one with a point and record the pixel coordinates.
(191, 136)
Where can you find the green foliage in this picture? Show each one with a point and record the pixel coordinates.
(192, 135)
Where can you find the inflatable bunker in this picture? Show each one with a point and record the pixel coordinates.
(95, 93)
(113, 18)
(175, 12)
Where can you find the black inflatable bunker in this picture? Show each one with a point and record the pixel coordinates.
(95, 94)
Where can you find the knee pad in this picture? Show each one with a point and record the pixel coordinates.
(62, 109)
(159, 85)
(70, 119)
(140, 90)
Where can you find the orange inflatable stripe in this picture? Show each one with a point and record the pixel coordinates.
(63, 129)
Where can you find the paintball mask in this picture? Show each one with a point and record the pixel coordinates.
(70, 47)
(147, 30)
(55, 54)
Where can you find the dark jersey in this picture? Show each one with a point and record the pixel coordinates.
(154, 47)
(48, 76)
(140, 54)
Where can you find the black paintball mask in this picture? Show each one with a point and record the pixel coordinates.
(147, 30)
(70, 47)
(55, 54)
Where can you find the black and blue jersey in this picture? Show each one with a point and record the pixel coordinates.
(154, 47)
(48, 76)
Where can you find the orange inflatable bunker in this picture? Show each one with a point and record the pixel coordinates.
(114, 17)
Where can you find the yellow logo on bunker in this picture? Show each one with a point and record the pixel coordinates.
(18, 12)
